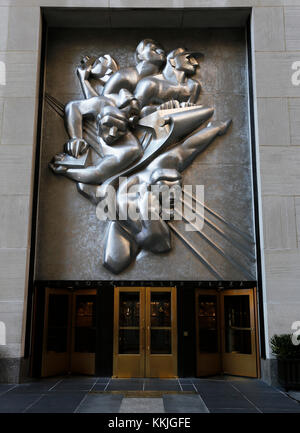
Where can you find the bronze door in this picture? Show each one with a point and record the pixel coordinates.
(145, 339)
(239, 352)
(69, 332)
(226, 334)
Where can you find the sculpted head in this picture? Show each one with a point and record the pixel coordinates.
(102, 67)
(150, 51)
(182, 60)
(112, 124)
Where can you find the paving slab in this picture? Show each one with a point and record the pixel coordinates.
(142, 405)
(100, 403)
(178, 403)
(60, 402)
(273, 400)
(75, 384)
(16, 403)
(125, 385)
(295, 395)
(161, 385)
(6, 387)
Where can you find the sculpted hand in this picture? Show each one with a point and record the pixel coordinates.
(55, 166)
(57, 169)
(76, 147)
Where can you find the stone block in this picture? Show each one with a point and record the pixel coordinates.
(292, 28)
(279, 222)
(16, 169)
(268, 29)
(14, 215)
(280, 170)
(21, 75)
(23, 29)
(18, 121)
(294, 111)
(273, 122)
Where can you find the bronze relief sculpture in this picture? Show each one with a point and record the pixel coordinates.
(137, 128)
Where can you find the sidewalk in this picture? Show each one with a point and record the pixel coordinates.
(78, 394)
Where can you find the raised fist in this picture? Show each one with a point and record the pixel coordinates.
(76, 147)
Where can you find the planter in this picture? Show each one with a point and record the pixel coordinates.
(289, 373)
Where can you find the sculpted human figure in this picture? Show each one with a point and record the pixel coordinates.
(76, 112)
(145, 129)
(126, 237)
(99, 70)
(117, 145)
(173, 85)
(149, 58)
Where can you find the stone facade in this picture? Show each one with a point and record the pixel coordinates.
(276, 45)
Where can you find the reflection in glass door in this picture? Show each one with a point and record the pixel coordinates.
(145, 341)
(69, 332)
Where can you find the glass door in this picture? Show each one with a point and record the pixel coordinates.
(129, 332)
(145, 339)
(161, 332)
(56, 341)
(238, 333)
(69, 332)
(207, 333)
(226, 338)
(83, 345)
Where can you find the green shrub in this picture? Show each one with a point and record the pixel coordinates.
(283, 347)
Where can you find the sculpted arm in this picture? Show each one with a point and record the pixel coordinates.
(198, 142)
(74, 113)
(196, 88)
(145, 92)
(83, 74)
(117, 157)
(75, 110)
(126, 78)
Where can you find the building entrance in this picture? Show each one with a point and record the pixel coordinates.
(69, 332)
(226, 335)
(145, 332)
